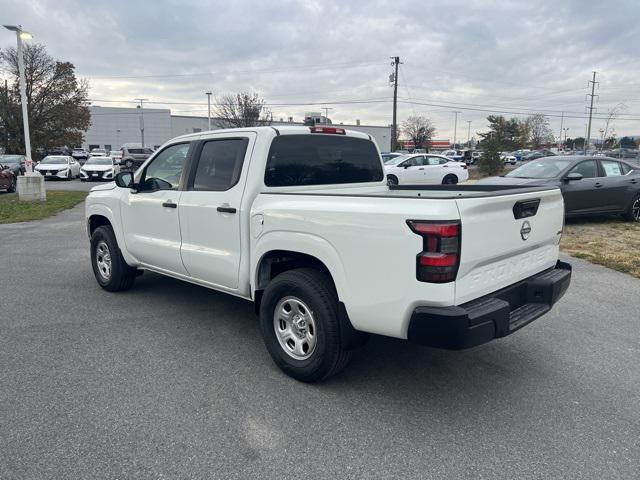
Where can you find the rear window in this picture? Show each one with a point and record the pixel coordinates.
(321, 160)
(140, 151)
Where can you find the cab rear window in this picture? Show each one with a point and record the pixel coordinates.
(321, 160)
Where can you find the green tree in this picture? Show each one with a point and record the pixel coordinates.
(56, 101)
(490, 162)
(626, 142)
(507, 134)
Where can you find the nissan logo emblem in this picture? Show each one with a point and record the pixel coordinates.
(525, 231)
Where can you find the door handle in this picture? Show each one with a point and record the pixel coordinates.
(224, 209)
(598, 185)
(634, 181)
(169, 204)
(421, 169)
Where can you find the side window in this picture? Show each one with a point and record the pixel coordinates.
(164, 172)
(411, 162)
(611, 168)
(433, 161)
(220, 164)
(588, 169)
(442, 161)
(626, 168)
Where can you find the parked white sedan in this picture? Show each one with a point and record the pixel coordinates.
(424, 169)
(59, 166)
(98, 168)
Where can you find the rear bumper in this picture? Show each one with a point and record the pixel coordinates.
(493, 316)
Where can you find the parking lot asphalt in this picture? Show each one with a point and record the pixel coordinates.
(75, 184)
(171, 380)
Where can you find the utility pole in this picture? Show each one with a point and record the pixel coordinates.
(593, 88)
(566, 129)
(326, 114)
(6, 116)
(142, 100)
(394, 126)
(208, 94)
(469, 134)
(455, 127)
(560, 137)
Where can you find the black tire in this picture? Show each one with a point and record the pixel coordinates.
(392, 180)
(12, 188)
(450, 179)
(121, 275)
(316, 290)
(128, 164)
(70, 175)
(633, 212)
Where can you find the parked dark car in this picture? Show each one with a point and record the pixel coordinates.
(589, 185)
(7, 179)
(535, 155)
(133, 156)
(16, 163)
(65, 151)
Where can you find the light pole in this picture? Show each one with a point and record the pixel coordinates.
(22, 35)
(455, 127)
(469, 134)
(326, 114)
(208, 94)
(565, 136)
(142, 100)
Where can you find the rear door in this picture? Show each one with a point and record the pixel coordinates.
(498, 249)
(210, 212)
(435, 170)
(614, 186)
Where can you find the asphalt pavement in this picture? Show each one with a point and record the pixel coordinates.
(75, 184)
(171, 380)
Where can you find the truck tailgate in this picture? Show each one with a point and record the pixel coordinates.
(499, 249)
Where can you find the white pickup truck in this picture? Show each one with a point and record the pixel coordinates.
(300, 221)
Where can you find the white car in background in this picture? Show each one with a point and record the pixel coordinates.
(116, 155)
(506, 157)
(58, 166)
(98, 168)
(98, 152)
(425, 169)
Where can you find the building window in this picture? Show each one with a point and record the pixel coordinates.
(197, 130)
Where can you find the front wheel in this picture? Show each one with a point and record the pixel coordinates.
(392, 180)
(301, 327)
(633, 212)
(110, 269)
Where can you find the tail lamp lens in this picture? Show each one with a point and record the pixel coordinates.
(439, 259)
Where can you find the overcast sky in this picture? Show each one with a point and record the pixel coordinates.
(470, 56)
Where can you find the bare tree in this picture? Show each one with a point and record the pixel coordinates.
(611, 116)
(539, 131)
(56, 100)
(420, 130)
(242, 110)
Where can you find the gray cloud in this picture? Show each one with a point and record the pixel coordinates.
(493, 54)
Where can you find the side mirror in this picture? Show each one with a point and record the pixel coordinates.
(573, 176)
(125, 180)
(406, 166)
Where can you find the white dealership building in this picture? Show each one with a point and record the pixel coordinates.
(112, 127)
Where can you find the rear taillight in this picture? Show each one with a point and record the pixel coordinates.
(439, 259)
(331, 130)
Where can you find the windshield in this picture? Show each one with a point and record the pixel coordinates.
(99, 161)
(543, 168)
(53, 160)
(395, 160)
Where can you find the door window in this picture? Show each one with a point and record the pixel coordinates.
(165, 170)
(611, 168)
(220, 164)
(626, 168)
(588, 169)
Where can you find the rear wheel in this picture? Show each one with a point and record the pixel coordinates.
(392, 180)
(633, 212)
(301, 327)
(12, 186)
(450, 179)
(109, 267)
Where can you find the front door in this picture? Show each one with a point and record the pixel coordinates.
(583, 196)
(150, 215)
(211, 209)
(614, 186)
